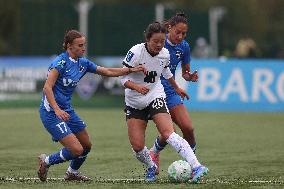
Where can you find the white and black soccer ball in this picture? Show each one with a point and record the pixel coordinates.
(179, 171)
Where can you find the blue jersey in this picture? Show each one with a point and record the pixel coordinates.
(178, 53)
(70, 73)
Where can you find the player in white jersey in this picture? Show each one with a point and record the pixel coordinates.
(155, 66)
(57, 114)
(145, 99)
(179, 50)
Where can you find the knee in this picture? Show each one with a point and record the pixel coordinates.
(77, 150)
(88, 147)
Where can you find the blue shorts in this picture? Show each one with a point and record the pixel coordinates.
(57, 128)
(173, 100)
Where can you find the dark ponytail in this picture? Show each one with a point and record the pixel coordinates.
(176, 19)
(155, 27)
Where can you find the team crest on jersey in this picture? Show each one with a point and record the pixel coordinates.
(61, 63)
(81, 69)
(178, 54)
(129, 56)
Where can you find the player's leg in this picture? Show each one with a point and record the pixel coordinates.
(137, 123)
(181, 118)
(78, 127)
(72, 149)
(59, 131)
(164, 124)
(72, 172)
(160, 143)
(84, 139)
(157, 147)
(136, 134)
(185, 151)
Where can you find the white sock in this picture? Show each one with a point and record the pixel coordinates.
(183, 149)
(144, 157)
(70, 170)
(46, 160)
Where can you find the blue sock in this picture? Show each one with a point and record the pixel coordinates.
(77, 162)
(157, 147)
(59, 157)
(193, 147)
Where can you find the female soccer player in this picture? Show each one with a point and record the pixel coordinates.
(145, 99)
(179, 53)
(56, 112)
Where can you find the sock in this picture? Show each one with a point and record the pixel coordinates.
(183, 149)
(144, 157)
(59, 157)
(158, 146)
(70, 170)
(78, 161)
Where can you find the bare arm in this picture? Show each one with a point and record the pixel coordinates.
(114, 72)
(139, 88)
(179, 90)
(47, 89)
(185, 68)
(187, 75)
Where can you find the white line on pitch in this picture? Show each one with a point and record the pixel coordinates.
(140, 180)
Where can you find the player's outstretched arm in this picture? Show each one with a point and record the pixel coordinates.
(114, 72)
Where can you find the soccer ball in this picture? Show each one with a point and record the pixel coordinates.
(179, 171)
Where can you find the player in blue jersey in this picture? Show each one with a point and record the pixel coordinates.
(56, 112)
(179, 54)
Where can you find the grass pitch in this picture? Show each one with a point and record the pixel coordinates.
(241, 150)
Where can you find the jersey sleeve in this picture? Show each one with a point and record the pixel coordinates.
(91, 66)
(132, 57)
(186, 56)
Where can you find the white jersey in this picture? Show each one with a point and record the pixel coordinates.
(155, 66)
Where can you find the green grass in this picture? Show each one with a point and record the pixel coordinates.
(33, 100)
(242, 150)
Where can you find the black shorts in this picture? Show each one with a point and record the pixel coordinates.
(156, 106)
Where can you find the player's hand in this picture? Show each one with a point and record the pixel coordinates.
(139, 68)
(62, 114)
(191, 76)
(141, 89)
(182, 93)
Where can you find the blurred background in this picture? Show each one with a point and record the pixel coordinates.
(237, 48)
(236, 107)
